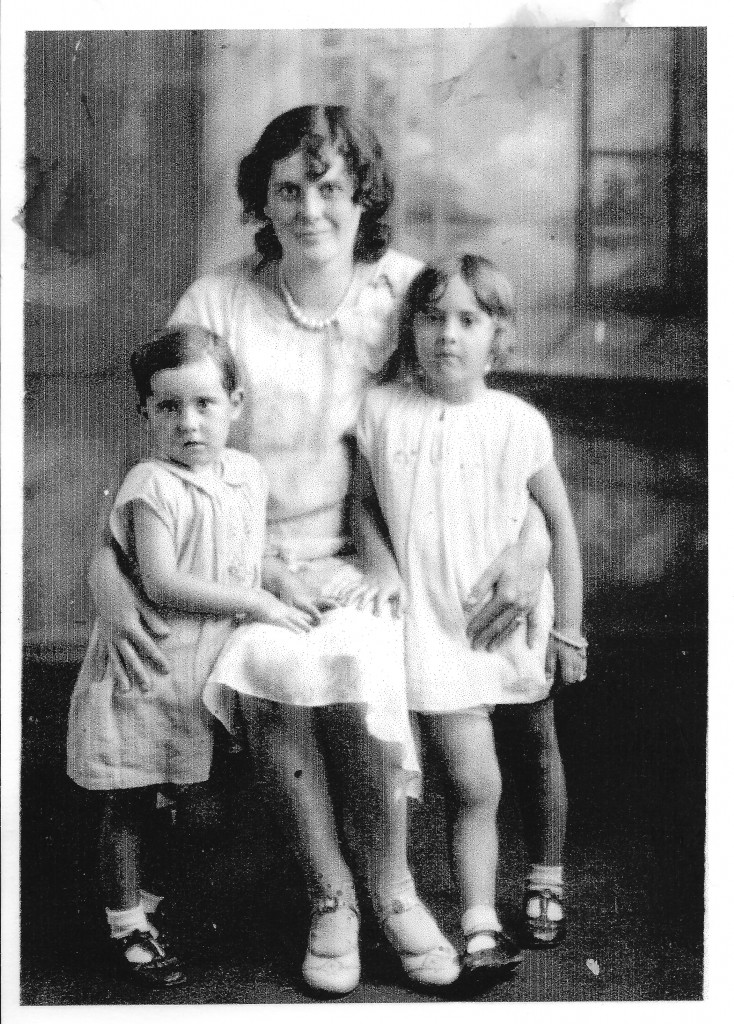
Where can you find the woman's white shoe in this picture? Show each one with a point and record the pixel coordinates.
(427, 956)
(332, 958)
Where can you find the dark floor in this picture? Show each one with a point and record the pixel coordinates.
(633, 739)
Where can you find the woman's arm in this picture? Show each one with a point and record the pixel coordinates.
(382, 587)
(130, 627)
(510, 587)
(567, 642)
(167, 586)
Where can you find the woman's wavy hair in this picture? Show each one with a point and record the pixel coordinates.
(314, 129)
(492, 291)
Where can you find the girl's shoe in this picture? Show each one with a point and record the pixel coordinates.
(544, 919)
(332, 958)
(502, 956)
(159, 969)
(427, 956)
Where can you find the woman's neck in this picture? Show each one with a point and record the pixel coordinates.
(318, 290)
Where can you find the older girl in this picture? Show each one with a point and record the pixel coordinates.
(454, 464)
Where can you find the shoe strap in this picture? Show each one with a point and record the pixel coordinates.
(546, 895)
(399, 905)
(330, 904)
(146, 941)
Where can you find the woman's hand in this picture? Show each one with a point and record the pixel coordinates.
(376, 593)
(129, 626)
(503, 595)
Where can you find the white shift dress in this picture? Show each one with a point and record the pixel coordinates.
(118, 739)
(452, 482)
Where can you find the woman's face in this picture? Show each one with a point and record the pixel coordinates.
(316, 221)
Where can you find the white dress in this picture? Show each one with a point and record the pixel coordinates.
(452, 482)
(119, 739)
(303, 390)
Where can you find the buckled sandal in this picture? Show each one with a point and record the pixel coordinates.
(544, 919)
(435, 965)
(332, 962)
(162, 970)
(501, 957)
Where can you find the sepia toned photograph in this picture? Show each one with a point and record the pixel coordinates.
(365, 515)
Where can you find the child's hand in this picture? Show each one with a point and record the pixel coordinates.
(271, 610)
(293, 591)
(565, 660)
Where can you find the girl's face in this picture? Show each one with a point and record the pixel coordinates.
(190, 414)
(453, 340)
(315, 221)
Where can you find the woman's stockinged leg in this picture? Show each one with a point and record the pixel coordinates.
(375, 791)
(285, 744)
(287, 750)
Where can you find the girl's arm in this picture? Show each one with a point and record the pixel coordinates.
(510, 587)
(567, 641)
(167, 586)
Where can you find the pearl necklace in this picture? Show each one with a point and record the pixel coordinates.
(301, 318)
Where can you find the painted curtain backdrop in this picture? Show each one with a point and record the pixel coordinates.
(575, 158)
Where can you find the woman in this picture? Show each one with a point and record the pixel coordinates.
(311, 320)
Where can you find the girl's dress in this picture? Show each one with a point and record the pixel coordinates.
(303, 390)
(452, 482)
(119, 739)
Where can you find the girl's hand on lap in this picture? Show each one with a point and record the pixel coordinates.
(294, 592)
(564, 663)
(274, 612)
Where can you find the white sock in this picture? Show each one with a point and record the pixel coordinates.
(480, 918)
(125, 922)
(546, 876)
(149, 901)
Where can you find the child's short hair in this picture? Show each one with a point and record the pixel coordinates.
(177, 346)
(313, 129)
(492, 291)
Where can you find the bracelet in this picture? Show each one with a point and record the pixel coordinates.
(577, 645)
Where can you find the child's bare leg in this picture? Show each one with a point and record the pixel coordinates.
(285, 745)
(465, 743)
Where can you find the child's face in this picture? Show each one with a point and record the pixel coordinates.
(190, 414)
(453, 341)
(315, 220)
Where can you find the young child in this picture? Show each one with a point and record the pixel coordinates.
(453, 464)
(191, 523)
